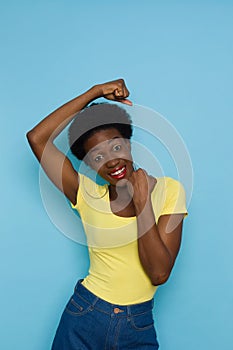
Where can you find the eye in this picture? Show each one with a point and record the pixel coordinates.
(98, 158)
(116, 148)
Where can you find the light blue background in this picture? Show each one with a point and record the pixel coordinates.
(176, 57)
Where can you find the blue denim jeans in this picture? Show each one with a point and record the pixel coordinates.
(91, 323)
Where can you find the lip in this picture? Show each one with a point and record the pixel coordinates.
(121, 172)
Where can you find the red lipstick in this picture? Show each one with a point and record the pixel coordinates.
(118, 173)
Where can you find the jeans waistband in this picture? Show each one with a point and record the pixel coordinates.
(122, 310)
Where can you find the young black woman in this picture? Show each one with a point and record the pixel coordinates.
(133, 233)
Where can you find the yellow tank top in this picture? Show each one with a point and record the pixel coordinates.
(116, 274)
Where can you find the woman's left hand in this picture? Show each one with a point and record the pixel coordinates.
(140, 186)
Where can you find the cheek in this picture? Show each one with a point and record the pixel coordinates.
(123, 153)
(127, 155)
(96, 167)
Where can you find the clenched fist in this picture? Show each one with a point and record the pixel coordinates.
(140, 186)
(115, 90)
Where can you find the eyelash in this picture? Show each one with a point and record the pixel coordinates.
(97, 159)
(115, 148)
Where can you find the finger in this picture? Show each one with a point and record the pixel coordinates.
(142, 171)
(142, 174)
(126, 102)
(121, 98)
(132, 177)
(119, 92)
(126, 91)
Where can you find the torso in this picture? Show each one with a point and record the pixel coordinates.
(122, 210)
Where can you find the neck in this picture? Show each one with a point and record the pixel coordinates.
(119, 193)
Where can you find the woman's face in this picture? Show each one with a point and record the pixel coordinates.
(109, 154)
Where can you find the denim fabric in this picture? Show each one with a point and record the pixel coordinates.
(91, 323)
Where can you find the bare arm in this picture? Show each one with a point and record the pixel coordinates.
(158, 247)
(56, 165)
(158, 244)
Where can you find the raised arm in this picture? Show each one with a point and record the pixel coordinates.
(55, 164)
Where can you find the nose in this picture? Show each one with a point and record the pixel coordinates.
(112, 163)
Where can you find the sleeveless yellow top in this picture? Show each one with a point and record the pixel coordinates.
(116, 273)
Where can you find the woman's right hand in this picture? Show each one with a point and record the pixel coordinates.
(115, 90)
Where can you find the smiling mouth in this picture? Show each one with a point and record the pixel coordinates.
(119, 173)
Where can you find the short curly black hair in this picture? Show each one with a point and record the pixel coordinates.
(96, 117)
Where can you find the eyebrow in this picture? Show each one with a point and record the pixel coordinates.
(97, 148)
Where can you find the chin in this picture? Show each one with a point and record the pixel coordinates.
(122, 183)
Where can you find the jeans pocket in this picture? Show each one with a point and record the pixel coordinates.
(77, 306)
(142, 321)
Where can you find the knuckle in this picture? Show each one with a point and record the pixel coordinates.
(121, 83)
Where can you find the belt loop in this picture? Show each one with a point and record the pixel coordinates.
(95, 301)
(128, 311)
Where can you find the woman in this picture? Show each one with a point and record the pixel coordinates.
(133, 224)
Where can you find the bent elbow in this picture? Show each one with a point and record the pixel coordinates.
(35, 141)
(31, 137)
(157, 280)
(36, 145)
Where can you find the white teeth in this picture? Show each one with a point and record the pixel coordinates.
(118, 172)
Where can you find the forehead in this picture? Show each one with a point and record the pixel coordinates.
(101, 137)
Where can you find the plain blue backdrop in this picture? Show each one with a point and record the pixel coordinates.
(177, 58)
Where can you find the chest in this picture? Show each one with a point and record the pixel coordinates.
(124, 209)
